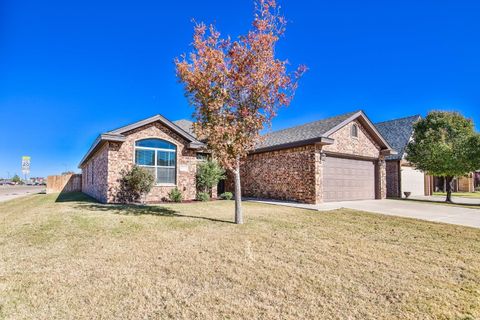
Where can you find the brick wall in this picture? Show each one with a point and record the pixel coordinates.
(393, 178)
(287, 174)
(100, 174)
(346, 144)
(122, 155)
(381, 180)
(296, 173)
(95, 174)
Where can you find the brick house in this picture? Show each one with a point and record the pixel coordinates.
(335, 159)
(401, 175)
(167, 149)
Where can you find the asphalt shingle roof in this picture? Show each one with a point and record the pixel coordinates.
(398, 133)
(185, 125)
(311, 130)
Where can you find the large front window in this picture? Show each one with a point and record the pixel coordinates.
(158, 157)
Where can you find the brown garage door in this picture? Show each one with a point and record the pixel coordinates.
(348, 179)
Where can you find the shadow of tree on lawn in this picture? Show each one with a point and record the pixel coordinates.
(138, 210)
(85, 202)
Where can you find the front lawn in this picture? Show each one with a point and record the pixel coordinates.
(76, 259)
(460, 194)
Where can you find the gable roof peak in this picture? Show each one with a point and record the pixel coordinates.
(414, 117)
(398, 133)
(118, 134)
(315, 131)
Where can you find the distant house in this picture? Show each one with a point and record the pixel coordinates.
(459, 184)
(401, 175)
(335, 159)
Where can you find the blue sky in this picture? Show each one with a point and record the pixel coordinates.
(72, 69)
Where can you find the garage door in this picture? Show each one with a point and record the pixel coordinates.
(348, 179)
(413, 181)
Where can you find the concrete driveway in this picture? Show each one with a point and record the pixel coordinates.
(12, 192)
(401, 208)
(418, 210)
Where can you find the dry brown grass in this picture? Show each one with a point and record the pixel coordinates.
(82, 260)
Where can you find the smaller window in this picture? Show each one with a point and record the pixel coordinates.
(354, 131)
(202, 156)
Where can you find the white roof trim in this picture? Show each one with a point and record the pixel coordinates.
(155, 118)
(100, 139)
(117, 135)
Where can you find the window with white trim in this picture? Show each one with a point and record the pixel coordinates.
(159, 157)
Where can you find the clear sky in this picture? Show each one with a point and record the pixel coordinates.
(70, 70)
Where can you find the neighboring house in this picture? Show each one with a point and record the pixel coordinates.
(401, 175)
(459, 184)
(167, 149)
(335, 159)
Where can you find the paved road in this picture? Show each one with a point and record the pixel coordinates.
(12, 192)
(410, 209)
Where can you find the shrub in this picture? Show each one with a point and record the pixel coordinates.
(226, 196)
(16, 179)
(477, 189)
(203, 196)
(175, 195)
(209, 173)
(134, 184)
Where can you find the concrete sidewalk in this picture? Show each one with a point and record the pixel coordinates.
(456, 200)
(401, 208)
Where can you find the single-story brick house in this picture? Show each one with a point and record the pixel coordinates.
(335, 159)
(401, 175)
(168, 149)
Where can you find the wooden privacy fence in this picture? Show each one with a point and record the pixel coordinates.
(64, 183)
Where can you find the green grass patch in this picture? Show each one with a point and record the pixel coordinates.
(475, 195)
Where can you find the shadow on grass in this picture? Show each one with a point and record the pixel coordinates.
(138, 210)
(74, 197)
(86, 202)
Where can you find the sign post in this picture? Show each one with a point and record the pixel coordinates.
(25, 167)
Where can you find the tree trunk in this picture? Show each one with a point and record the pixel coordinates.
(238, 195)
(449, 187)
